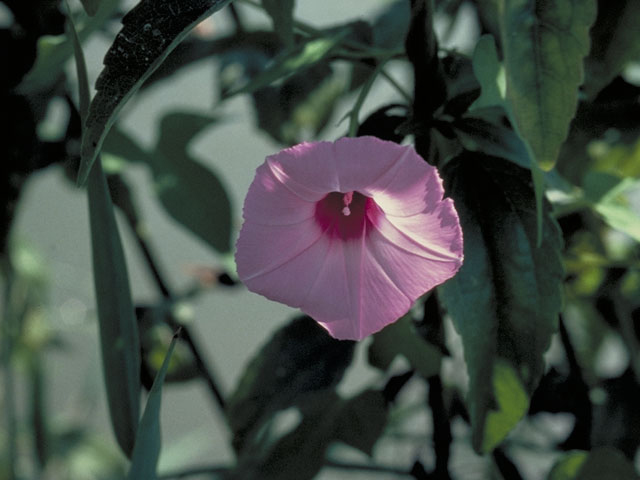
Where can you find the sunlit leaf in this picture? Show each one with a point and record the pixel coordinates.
(147, 447)
(568, 466)
(544, 45)
(150, 31)
(505, 299)
(401, 338)
(511, 405)
(611, 197)
(293, 61)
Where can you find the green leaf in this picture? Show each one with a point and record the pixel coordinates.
(614, 43)
(281, 13)
(601, 462)
(544, 46)
(512, 403)
(505, 299)
(55, 51)
(191, 193)
(300, 454)
(300, 358)
(91, 6)
(118, 326)
(293, 61)
(479, 134)
(611, 198)
(401, 338)
(568, 466)
(150, 32)
(489, 73)
(361, 420)
(147, 447)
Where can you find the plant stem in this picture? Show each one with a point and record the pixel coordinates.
(122, 198)
(9, 407)
(441, 428)
(429, 89)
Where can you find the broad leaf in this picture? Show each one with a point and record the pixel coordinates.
(505, 299)
(401, 338)
(116, 319)
(147, 447)
(614, 42)
(478, 134)
(301, 358)
(191, 193)
(544, 45)
(150, 31)
(361, 420)
(489, 73)
(300, 454)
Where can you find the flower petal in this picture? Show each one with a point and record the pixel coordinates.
(307, 169)
(268, 248)
(270, 202)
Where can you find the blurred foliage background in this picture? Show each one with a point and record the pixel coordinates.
(525, 365)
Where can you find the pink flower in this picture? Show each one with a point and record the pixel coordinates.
(350, 232)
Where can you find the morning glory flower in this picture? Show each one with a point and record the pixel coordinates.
(351, 232)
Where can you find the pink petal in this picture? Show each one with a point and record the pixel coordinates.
(358, 271)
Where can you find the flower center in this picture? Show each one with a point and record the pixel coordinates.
(345, 215)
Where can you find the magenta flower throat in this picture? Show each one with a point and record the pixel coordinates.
(350, 232)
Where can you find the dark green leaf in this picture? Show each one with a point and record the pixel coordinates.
(294, 61)
(55, 51)
(361, 420)
(91, 6)
(281, 13)
(299, 359)
(147, 447)
(606, 462)
(489, 73)
(493, 138)
(191, 193)
(118, 327)
(150, 31)
(614, 42)
(544, 46)
(300, 454)
(401, 338)
(505, 299)
(300, 107)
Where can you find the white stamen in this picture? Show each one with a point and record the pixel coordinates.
(346, 212)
